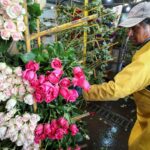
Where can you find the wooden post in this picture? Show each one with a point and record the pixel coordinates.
(27, 33)
(85, 32)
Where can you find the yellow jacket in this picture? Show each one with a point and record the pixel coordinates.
(133, 79)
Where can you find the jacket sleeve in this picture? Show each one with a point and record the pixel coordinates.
(133, 78)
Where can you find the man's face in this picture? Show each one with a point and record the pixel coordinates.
(137, 34)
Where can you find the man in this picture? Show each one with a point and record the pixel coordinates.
(133, 79)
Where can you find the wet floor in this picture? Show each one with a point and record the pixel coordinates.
(109, 129)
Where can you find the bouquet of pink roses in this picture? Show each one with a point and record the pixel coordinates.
(57, 130)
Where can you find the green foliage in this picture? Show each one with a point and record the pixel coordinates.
(99, 40)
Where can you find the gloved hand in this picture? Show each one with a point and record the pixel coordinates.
(79, 90)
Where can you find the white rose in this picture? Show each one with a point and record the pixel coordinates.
(11, 113)
(22, 90)
(18, 71)
(34, 119)
(18, 122)
(10, 104)
(26, 117)
(19, 143)
(5, 34)
(8, 70)
(14, 90)
(2, 97)
(2, 66)
(2, 132)
(13, 11)
(24, 129)
(2, 77)
(1, 118)
(21, 26)
(14, 137)
(28, 99)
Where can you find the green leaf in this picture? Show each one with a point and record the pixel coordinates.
(27, 57)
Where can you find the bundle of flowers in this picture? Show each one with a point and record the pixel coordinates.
(49, 86)
(11, 19)
(13, 88)
(19, 129)
(56, 97)
(57, 129)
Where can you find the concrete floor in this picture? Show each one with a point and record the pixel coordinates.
(109, 129)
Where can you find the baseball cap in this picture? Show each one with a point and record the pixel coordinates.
(137, 14)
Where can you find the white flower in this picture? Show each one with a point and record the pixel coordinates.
(28, 99)
(2, 77)
(18, 122)
(10, 104)
(24, 129)
(18, 71)
(1, 118)
(2, 132)
(22, 90)
(2, 97)
(10, 114)
(14, 90)
(26, 117)
(14, 137)
(20, 140)
(34, 119)
(8, 70)
(2, 66)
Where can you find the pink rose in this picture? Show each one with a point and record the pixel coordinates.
(39, 129)
(64, 92)
(5, 34)
(29, 75)
(38, 97)
(47, 128)
(10, 26)
(5, 3)
(74, 130)
(63, 122)
(45, 87)
(37, 140)
(78, 72)
(55, 76)
(14, 10)
(34, 83)
(81, 82)
(52, 94)
(56, 63)
(41, 79)
(77, 148)
(73, 95)
(17, 36)
(59, 134)
(32, 65)
(65, 82)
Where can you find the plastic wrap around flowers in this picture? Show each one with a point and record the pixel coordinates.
(11, 19)
(48, 87)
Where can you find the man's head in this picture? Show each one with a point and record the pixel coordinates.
(138, 22)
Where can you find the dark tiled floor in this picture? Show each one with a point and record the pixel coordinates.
(110, 133)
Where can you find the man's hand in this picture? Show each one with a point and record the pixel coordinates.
(79, 90)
